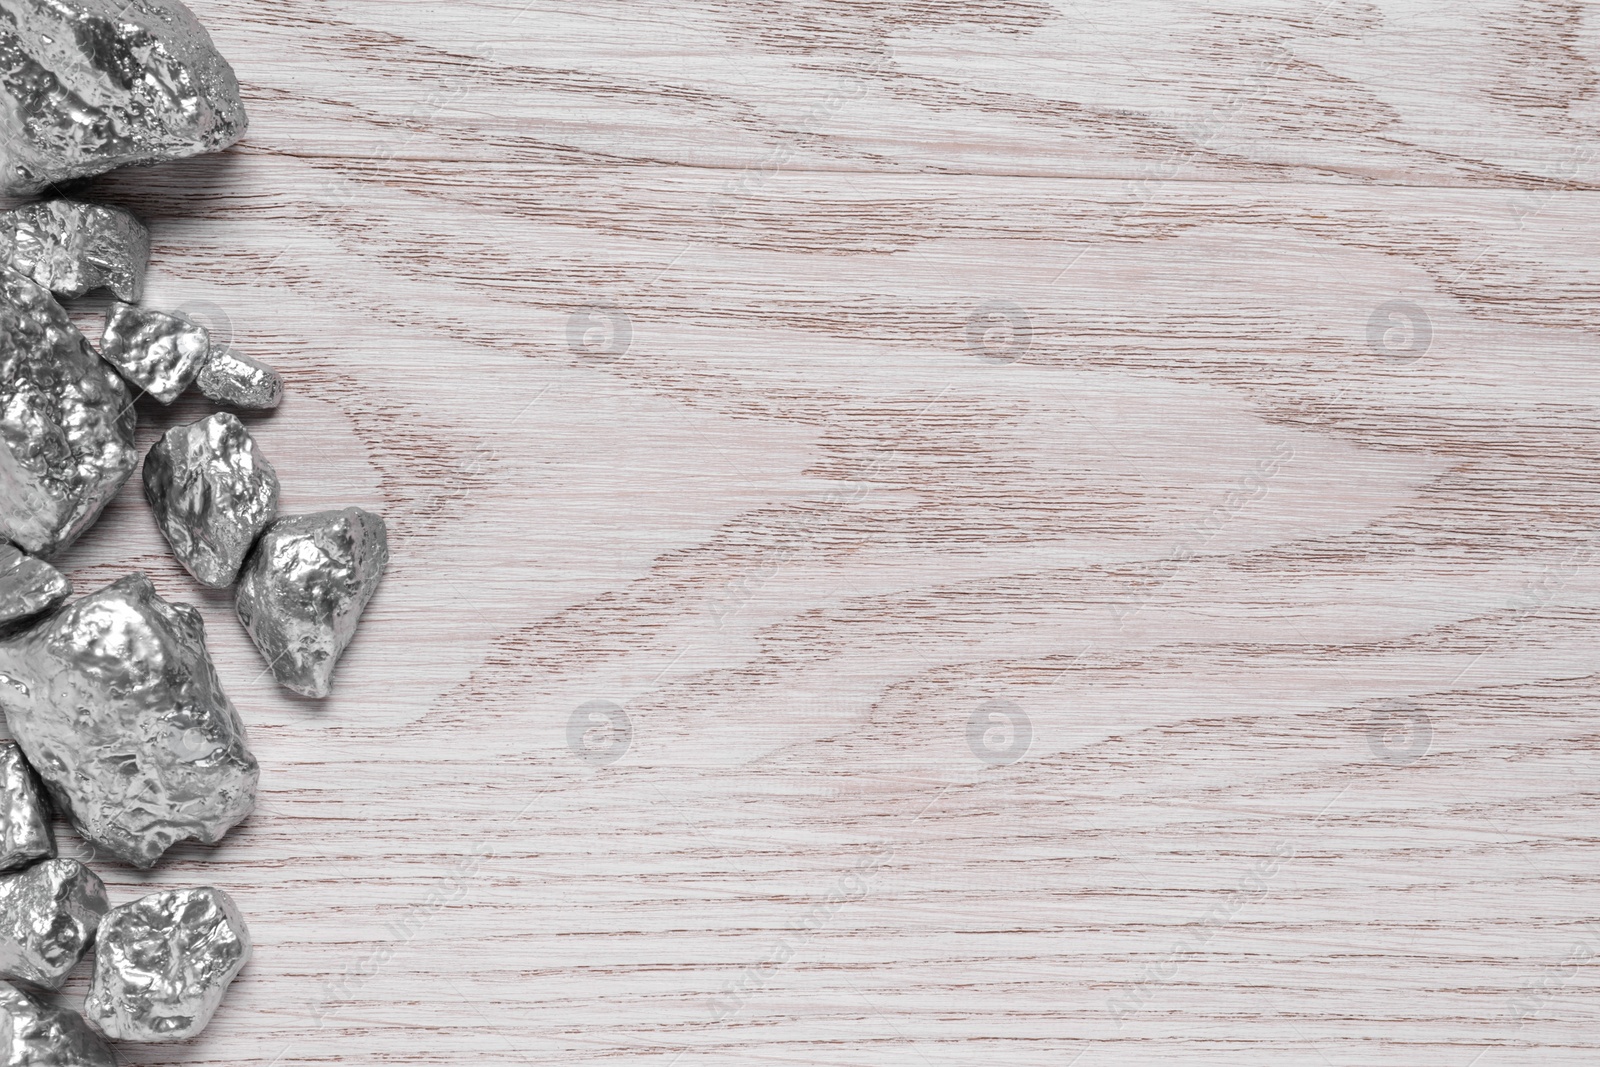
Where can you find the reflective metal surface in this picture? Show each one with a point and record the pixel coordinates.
(48, 915)
(157, 352)
(302, 592)
(25, 833)
(66, 422)
(34, 1034)
(28, 585)
(116, 704)
(239, 381)
(90, 85)
(212, 492)
(71, 247)
(163, 962)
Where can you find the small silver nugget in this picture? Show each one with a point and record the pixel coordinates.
(91, 85)
(117, 706)
(163, 962)
(239, 381)
(157, 352)
(304, 588)
(28, 585)
(66, 422)
(212, 492)
(48, 915)
(25, 833)
(71, 247)
(34, 1034)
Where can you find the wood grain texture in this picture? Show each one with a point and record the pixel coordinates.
(1090, 512)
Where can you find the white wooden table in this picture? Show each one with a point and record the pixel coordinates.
(1071, 532)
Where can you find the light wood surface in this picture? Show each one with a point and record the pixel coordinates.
(1090, 513)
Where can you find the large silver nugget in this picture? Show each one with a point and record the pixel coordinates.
(70, 247)
(116, 704)
(48, 915)
(159, 353)
(302, 592)
(163, 962)
(34, 1034)
(239, 381)
(66, 422)
(90, 85)
(28, 585)
(212, 493)
(25, 833)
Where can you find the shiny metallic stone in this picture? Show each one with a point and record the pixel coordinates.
(239, 381)
(34, 1034)
(66, 422)
(213, 492)
(116, 704)
(163, 962)
(28, 585)
(90, 85)
(302, 592)
(48, 915)
(70, 247)
(159, 353)
(24, 818)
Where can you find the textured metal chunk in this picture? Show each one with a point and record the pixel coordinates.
(239, 381)
(25, 833)
(66, 422)
(163, 962)
(28, 585)
(159, 353)
(70, 247)
(302, 592)
(117, 706)
(212, 492)
(90, 85)
(34, 1034)
(48, 915)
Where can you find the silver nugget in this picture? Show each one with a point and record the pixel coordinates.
(28, 585)
(25, 833)
(160, 353)
(304, 588)
(212, 492)
(34, 1034)
(90, 85)
(48, 915)
(239, 381)
(117, 706)
(66, 422)
(70, 247)
(163, 962)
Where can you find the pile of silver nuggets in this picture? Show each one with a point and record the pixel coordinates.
(118, 719)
